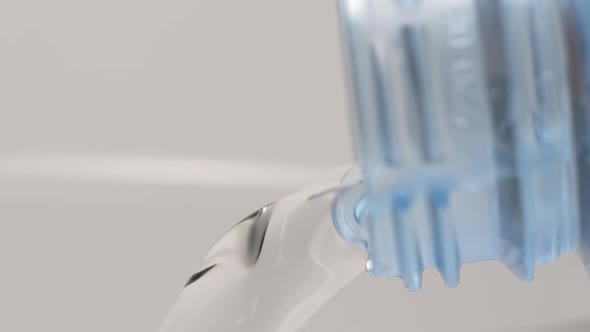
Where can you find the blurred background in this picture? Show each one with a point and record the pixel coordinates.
(134, 133)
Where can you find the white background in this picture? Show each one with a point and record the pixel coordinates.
(134, 133)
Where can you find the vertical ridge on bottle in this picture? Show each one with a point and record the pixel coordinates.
(418, 90)
(381, 227)
(406, 238)
(360, 51)
(446, 254)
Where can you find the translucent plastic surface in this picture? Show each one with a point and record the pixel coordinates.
(473, 133)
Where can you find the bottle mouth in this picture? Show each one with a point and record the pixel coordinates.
(472, 123)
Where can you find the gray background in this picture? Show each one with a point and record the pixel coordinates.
(133, 134)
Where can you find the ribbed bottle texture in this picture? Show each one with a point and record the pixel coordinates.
(473, 133)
